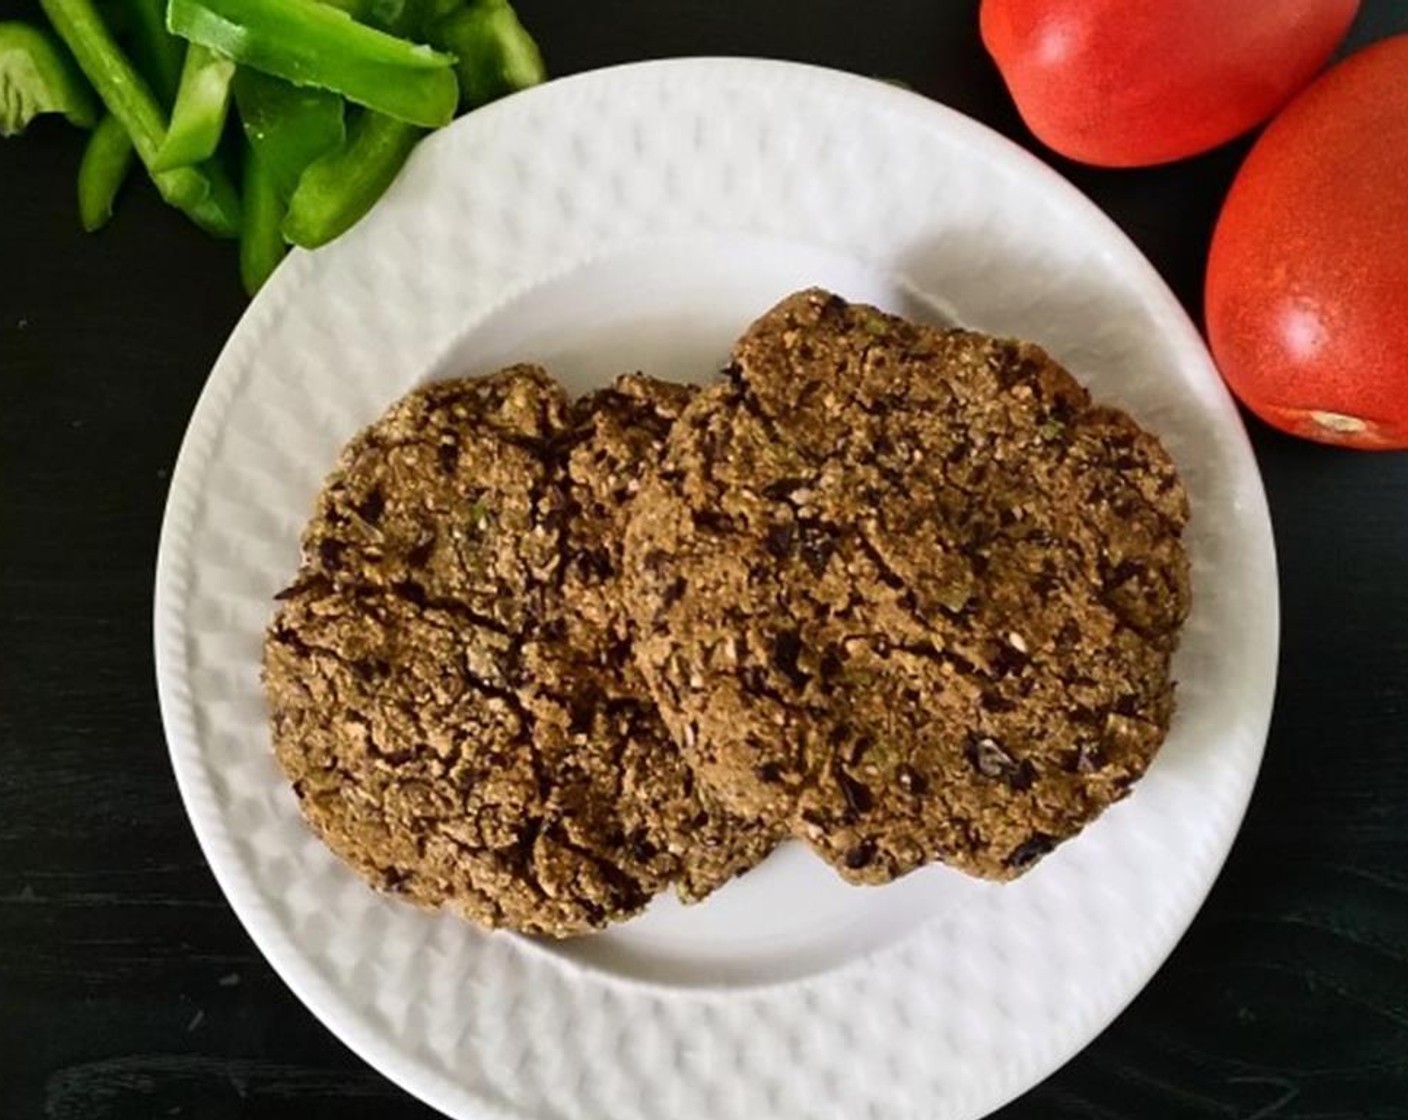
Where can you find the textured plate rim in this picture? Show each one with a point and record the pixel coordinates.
(177, 705)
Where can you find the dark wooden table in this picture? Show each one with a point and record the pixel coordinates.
(129, 990)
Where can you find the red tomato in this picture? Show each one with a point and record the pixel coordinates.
(1127, 83)
(1307, 285)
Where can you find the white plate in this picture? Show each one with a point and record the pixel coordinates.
(639, 217)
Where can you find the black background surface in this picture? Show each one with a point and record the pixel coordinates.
(129, 990)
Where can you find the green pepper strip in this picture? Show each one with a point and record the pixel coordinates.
(159, 55)
(384, 15)
(336, 191)
(204, 193)
(219, 213)
(342, 187)
(436, 10)
(35, 78)
(290, 127)
(261, 240)
(496, 54)
(339, 189)
(198, 117)
(106, 161)
(312, 44)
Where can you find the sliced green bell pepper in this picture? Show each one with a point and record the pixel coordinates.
(36, 76)
(157, 54)
(290, 126)
(436, 10)
(219, 212)
(312, 44)
(204, 193)
(340, 188)
(262, 243)
(496, 54)
(198, 117)
(337, 190)
(106, 162)
(395, 17)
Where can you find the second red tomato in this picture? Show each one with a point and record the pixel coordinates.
(1122, 84)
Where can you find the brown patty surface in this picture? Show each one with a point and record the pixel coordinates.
(909, 591)
(450, 682)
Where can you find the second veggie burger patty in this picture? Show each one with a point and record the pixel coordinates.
(909, 591)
